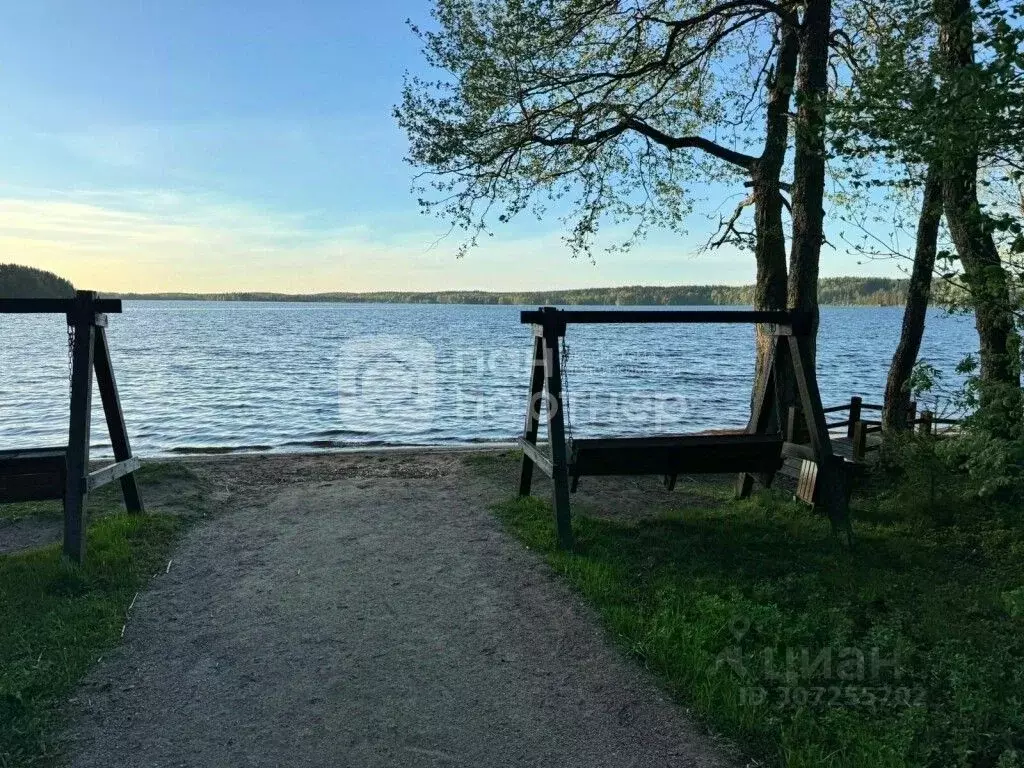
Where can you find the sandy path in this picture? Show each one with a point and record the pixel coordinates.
(367, 610)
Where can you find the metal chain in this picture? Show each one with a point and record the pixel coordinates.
(71, 356)
(565, 387)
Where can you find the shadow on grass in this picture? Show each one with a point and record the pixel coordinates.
(899, 652)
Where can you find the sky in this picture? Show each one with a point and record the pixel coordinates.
(207, 146)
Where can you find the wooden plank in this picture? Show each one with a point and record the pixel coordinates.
(832, 483)
(537, 457)
(836, 408)
(797, 451)
(54, 306)
(694, 454)
(556, 435)
(107, 385)
(38, 486)
(15, 455)
(810, 397)
(533, 410)
(807, 483)
(697, 441)
(591, 316)
(32, 475)
(78, 431)
(111, 473)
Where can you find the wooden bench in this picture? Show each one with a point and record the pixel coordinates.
(673, 455)
(36, 474)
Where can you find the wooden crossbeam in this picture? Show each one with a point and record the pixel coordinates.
(110, 473)
(594, 316)
(536, 456)
(54, 306)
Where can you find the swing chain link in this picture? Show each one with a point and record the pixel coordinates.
(565, 387)
(71, 356)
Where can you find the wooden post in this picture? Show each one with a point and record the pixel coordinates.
(533, 409)
(107, 386)
(552, 331)
(855, 404)
(81, 319)
(911, 414)
(860, 441)
(925, 426)
(792, 419)
(764, 408)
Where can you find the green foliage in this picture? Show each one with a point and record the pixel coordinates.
(731, 605)
(596, 112)
(1013, 599)
(18, 282)
(905, 103)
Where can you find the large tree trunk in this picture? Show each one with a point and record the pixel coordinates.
(897, 394)
(809, 158)
(983, 271)
(770, 248)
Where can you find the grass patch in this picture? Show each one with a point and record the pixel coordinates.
(57, 619)
(908, 650)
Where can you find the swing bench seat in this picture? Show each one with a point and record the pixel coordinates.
(672, 455)
(36, 474)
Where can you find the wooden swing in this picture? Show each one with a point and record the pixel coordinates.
(758, 451)
(41, 474)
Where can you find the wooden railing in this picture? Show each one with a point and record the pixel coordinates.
(858, 428)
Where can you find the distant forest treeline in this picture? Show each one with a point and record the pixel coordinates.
(26, 282)
(872, 291)
(18, 282)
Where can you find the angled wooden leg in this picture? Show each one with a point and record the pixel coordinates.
(115, 419)
(832, 484)
(556, 432)
(533, 409)
(78, 429)
(761, 415)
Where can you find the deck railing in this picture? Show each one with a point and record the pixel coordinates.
(858, 428)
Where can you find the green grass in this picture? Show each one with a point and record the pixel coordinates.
(57, 619)
(753, 615)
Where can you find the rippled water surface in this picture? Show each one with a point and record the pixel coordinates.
(261, 376)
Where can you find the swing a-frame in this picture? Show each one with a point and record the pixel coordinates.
(759, 451)
(39, 474)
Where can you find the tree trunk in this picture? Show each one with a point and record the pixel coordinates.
(897, 395)
(808, 175)
(809, 159)
(770, 248)
(983, 270)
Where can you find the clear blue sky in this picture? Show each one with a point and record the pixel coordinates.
(212, 145)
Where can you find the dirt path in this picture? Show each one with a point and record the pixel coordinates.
(367, 610)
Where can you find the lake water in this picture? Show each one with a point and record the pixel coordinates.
(296, 376)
